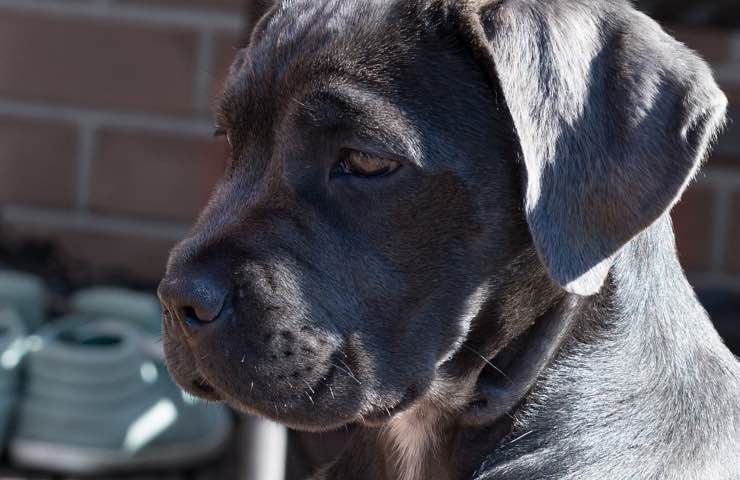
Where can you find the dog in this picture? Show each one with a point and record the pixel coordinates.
(447, 223)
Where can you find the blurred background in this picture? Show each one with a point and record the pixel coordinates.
(106, 153)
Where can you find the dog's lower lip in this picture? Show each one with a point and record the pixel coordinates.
(383, 414)
(201, 389)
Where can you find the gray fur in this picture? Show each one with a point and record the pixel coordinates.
(613, 117)
(644, 389)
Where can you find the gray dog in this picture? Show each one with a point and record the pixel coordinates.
(446, 222)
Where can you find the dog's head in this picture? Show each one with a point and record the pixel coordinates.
(411, 177)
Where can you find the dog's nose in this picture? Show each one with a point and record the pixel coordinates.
(193, 299)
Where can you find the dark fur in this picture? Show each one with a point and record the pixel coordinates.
(513, 290)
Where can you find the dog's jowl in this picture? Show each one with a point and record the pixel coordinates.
(446, 222)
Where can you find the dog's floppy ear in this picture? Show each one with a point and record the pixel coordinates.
(613, 117)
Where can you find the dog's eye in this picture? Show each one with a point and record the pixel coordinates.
(361, 164)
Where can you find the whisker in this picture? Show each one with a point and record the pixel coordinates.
(309, 387)
(310, 398)
(520, 437)
(351, 373)
(488, 362)
(348, 373)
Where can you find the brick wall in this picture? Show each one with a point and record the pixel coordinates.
(105, 130)
(707, 220)
(105, 125)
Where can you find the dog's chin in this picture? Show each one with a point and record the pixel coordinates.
(379, 416)
(294, 417)
(318, 414)
(313, 414)
(302, 420)
(339, 399)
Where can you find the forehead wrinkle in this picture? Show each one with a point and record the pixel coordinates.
(281, 50)
(304, 42)
(238, 100)
(364, 111)
(304, 28)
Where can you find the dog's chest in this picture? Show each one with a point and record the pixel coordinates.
(413, 447)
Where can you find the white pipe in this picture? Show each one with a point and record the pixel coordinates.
(268, 450)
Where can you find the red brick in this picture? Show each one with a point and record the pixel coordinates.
(721, 159)
(37, 162)
(714, 45)
(226, 48)
(96, 63)
(155, 175)
(143, 258)
(733, 243)
(693, 219)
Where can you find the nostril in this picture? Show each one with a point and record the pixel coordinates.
(206, 309)
(190, 317)
(194, 300)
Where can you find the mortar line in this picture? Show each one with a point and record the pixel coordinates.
(203, 72)
(735, 47)
(727, 72)
(96, 223)
(727, 177)
(720, 230)
(87, 139)
(706, 280)
(200, 125)
(188, 18)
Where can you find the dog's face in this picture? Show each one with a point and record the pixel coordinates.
(392, 178)
(368, 201)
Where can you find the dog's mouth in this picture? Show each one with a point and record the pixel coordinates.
(302, 410)
(338, 399)
(380, 415)
(202, 389)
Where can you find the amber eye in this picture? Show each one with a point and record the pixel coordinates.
(361, 164)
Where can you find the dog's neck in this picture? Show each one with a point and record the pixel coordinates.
(643, 358)
(644, 388)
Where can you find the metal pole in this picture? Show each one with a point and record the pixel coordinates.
(267, 447)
